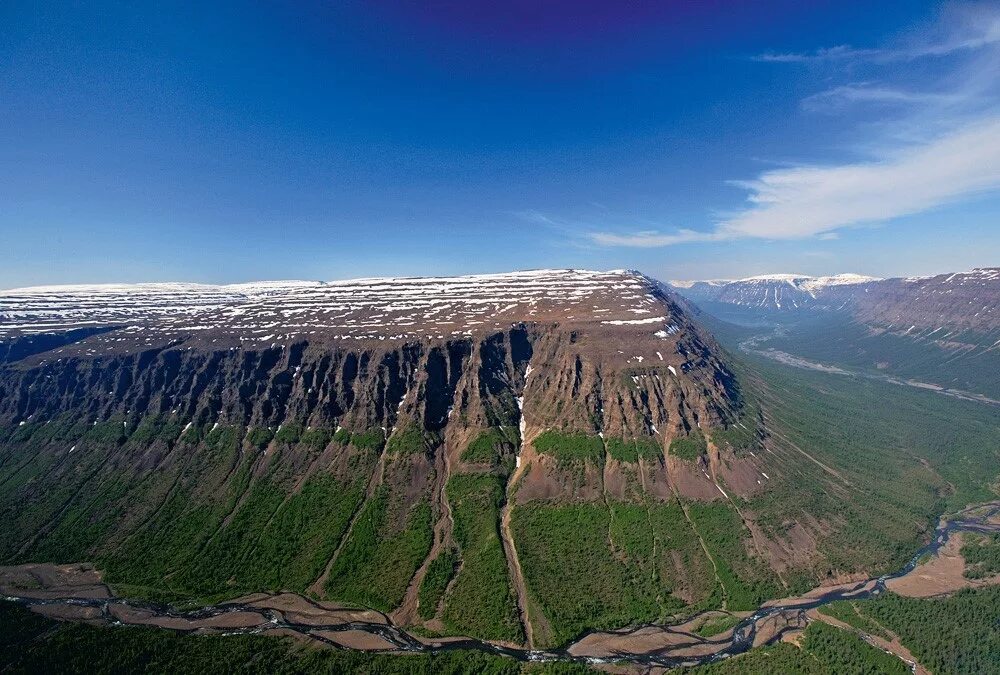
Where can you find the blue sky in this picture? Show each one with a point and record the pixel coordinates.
(156, 141)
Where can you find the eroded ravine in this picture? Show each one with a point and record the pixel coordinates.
(507, 535)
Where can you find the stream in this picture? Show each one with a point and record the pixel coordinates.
(791, 611)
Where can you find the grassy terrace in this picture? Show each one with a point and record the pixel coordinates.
(689, 447)
(570, 447)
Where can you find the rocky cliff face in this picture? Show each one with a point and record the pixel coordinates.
(365, 354)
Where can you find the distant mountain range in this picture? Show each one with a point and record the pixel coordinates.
(942, 329)
(957, 301)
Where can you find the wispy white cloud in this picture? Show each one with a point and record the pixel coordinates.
(651, 238)
(801, 202)
(838, 53)
(836, 98)
(808, 201)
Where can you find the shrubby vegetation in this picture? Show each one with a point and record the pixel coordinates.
(490, 445)
(381, 554)
(259, 437)
(955, 635)
(482, 602)
(847, 611)
(317, 439)
(569, 447)
(632, 450)
(746, 581)
(217, 523)
(409, 440)
(689, 447)
(371, 439)
(739, 439)
(843, 652)
(982, 555)
(289, 433)
(439, 573)
(580, 582)
(716, 625)
(570, 571)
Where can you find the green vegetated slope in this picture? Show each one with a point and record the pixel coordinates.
(481, 602)
(894, 458)
(382, 553)
(901, 455)
(439, 573)
(176, 512)
(611, 563)
(467, 589)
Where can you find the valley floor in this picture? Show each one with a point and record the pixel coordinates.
(76, 593)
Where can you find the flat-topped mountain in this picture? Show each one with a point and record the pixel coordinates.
(357, 309)
(350, 438)
(388, 329)
(942, 330)
(945, 303)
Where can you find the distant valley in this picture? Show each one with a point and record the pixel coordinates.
(943, 330)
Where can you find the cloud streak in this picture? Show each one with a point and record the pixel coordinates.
(844, 95)
(838, 53)
(961, 28)
(651, 238)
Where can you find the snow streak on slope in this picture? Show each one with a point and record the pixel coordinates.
(375, 308)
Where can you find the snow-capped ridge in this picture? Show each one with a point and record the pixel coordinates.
(382, 308)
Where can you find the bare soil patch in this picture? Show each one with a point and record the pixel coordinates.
(941, 575)
(299, 609)
(357, 639)
(48, 581)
